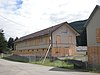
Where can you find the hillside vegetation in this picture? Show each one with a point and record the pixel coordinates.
(79, 26)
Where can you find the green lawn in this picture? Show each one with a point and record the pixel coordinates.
(4, 55)
(56, 63)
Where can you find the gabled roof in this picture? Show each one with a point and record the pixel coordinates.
(47, 31)
(92, 14)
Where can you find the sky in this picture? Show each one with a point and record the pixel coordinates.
(22, 17)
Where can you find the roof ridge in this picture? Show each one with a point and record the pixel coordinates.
(91, 15)
(43, 31)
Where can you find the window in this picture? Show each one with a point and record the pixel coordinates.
(58, 39)
(98, 35)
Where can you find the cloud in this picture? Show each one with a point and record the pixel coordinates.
(57, 17)
(10, 5)
(35, 15)
(98, 2)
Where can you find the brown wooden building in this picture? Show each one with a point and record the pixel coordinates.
(61, 39)
(93, 37)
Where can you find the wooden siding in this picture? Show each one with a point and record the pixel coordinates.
(98, 35)
(33, 52)
(39, 41)
(57, 52)
(71, 39)
(94, 55)
(58, 39)
(63, 37)
(61, 51)
(72, 50)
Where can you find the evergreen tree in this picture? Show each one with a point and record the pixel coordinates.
(16, 38)
(11, 43)
(3, 43)
(83, 37)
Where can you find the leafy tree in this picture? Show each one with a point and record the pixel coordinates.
(3, 43)
(11, 43)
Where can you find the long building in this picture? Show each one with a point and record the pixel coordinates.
(58, 40)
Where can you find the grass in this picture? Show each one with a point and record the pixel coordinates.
(48, 62)
(56, 63)
(16, 58)
(4, 55)
(0, 56)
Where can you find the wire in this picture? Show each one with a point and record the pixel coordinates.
(12, 21)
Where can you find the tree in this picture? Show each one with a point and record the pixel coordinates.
(11, 43)
(3, 43)
(16, 38)
(83, 37)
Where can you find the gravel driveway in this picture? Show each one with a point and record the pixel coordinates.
(17, 68)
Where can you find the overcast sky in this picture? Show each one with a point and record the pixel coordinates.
(22, 17)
